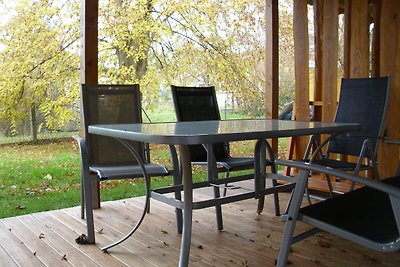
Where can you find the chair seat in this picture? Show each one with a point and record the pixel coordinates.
(232, 163)
(237, 163)
(128, 171)
(365, 212)
(337, 164)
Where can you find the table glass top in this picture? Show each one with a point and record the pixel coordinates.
(200, 132)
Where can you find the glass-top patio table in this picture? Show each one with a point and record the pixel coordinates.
(207, 133)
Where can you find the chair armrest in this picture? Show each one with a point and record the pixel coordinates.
(83, 151)
(366, 136)
(389, 189)
(392, 142)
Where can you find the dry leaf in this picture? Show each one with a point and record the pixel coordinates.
(41, 235)
(323, 244)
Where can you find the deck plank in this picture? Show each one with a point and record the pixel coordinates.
(58, 239)
(21, 255)
(5, 259)
(35, 243)
(248, 239)
(74, 226)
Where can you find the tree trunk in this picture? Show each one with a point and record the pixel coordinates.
(34, 124)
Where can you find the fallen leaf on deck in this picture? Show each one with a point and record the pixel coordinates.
(323, 244)
(372, 258)
(41, 235)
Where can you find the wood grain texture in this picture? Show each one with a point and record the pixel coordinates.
(388, 156)
(248, 239)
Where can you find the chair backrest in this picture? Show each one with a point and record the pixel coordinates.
(198, 104)
(363, 101)
(110, 104)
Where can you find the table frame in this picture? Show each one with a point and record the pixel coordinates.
(207, 133)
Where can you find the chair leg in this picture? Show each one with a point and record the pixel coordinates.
(178, 212)
(89, 211)
(148, 204)
(328, 180)
(212, 176)
(177, 177)
(226, 184)
(82, 199)
(261, 200)
(291, 218)
(276, 199)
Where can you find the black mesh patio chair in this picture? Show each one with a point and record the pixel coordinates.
(199, 104)
(363, 101)
(105, 158)
(368, 216)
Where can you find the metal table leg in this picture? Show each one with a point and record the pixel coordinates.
(187, 205)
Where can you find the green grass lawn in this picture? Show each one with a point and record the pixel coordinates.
(46, 176)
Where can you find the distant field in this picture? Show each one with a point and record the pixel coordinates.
(41, 137)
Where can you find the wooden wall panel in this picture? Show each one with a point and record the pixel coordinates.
(329, 59)
(301, 50)
(390, 66)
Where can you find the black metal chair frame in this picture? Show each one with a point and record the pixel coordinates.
(134, 164)
(368, 216)
(363, 144)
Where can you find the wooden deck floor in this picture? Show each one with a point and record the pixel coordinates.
(47, 239)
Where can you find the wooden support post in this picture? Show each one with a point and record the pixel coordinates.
(271, 99)
(388, 156)
(329, 60)
(359, 45)
(376, 38)
(318, 41)
(302, 75)
(89, 59)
